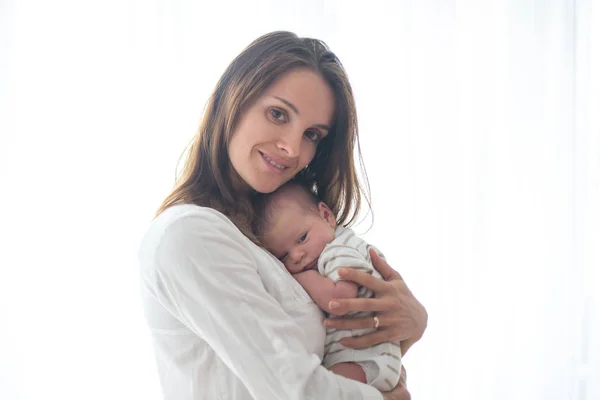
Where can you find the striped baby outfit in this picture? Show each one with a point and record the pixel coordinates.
(382, 362)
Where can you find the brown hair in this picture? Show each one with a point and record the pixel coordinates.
(206, 178)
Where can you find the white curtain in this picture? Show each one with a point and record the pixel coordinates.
(479, 124)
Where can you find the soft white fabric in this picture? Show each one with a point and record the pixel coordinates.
(227, 320)
(382, 362)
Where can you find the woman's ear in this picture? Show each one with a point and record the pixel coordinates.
(327, 214)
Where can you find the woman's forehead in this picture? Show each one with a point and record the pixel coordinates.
(306, 93)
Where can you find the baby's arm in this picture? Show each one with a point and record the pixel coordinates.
(322, 290)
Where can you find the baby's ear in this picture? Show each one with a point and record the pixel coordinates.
(326, 214)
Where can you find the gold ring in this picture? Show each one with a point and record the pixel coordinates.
(376, 322)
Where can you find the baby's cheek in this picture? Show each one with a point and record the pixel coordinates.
(328, 239)
(290, 268)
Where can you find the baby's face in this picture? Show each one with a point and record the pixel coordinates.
(297, 236)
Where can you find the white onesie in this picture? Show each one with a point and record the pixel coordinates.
(382, 362)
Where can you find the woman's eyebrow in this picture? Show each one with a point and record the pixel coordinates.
(293, 107)
(289, 104)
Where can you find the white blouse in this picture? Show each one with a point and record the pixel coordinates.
(227, 320)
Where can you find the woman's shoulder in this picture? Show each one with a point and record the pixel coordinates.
(190, 224)
(192, 212)
(191, 216)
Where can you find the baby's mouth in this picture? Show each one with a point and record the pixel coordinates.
(312, 265)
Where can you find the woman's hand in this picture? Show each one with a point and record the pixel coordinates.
(401, 316)
(401, 391)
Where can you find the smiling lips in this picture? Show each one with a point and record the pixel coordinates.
(276, 162)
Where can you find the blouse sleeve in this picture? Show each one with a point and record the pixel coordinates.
(206, 277)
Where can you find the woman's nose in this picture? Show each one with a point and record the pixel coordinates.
(290, 143)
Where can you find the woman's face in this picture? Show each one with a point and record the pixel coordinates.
(278, 135)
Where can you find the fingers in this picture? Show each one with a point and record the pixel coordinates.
(385, 320)
(354, 323)
(364, 279)
(401, 389)
(403, 376)
(401, 393)
(344, 306)
(370, 339)
(387, 272)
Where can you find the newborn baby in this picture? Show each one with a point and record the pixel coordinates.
(302, 233)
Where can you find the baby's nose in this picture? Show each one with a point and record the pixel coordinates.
(298, 256)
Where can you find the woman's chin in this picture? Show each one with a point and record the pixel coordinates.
(267, 187)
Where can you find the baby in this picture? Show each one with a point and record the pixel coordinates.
(302, 233)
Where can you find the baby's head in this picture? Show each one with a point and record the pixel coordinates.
(295, 226)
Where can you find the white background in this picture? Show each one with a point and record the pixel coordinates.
(479, 124)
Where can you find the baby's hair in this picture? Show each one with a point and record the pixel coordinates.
(265, 205)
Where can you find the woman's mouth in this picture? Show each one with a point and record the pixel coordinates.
(274, 165)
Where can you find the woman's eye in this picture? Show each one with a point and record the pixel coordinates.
(302, 238)
(278, 115)
(312, 135)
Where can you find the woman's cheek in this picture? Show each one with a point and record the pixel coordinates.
(311, 151)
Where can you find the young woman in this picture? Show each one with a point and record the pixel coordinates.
(226, 318)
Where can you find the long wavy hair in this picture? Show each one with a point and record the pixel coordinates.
(206, 176)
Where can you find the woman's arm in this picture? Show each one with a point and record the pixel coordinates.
(402, 317)
(206, 279)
